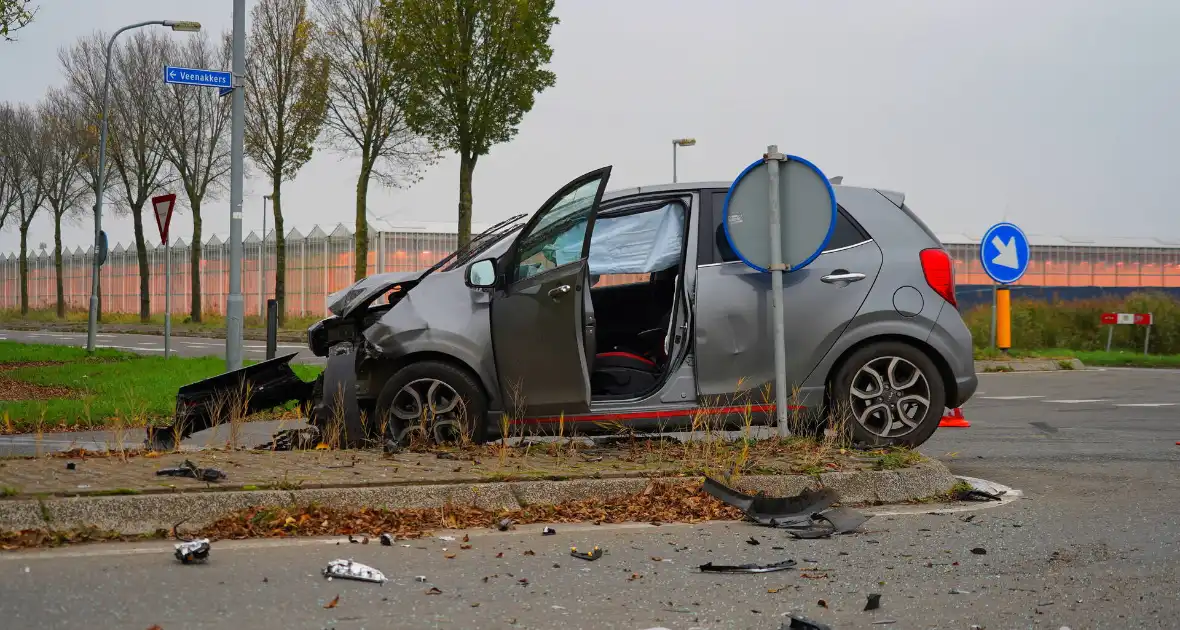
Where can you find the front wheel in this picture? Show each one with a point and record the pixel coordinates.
(433, 400)
(888, 394)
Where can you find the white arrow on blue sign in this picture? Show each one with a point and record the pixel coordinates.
(202, 78)
(1004, 253)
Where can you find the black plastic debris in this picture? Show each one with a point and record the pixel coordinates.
(505, 524)
(349, 570)
(592, 555)
(825, 524)
(189, 469)
(301, 439)
(747, 568)
(979, 551)
(803, 623)
(386, 540)
(980, 495)
(196, 550)
(772, 510)
(874, 601)
(71, 466)
(548, 531)
(753, 541)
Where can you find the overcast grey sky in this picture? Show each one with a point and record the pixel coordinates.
(1060, 115)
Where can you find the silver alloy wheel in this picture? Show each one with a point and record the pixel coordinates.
(889, 396)
(427, 406)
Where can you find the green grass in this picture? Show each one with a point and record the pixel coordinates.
(115, 387)
(214, 323)
(897, 459)
(1094, 358)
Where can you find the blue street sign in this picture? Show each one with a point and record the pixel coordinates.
(224, 91)
(1004, 253)
(202, 78)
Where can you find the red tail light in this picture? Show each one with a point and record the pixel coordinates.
(940, 273)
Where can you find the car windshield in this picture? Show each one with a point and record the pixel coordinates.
(480, 243)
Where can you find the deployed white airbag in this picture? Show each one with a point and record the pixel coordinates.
(638, 243)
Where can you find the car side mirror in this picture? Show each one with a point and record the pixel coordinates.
(481, 274)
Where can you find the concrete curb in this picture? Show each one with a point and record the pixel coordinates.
(1028, 365)
(143, 514)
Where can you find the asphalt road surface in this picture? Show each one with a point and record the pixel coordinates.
(1093, 543)
(154, 344)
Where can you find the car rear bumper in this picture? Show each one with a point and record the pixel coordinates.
(951, 339)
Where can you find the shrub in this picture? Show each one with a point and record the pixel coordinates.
(1075, 325)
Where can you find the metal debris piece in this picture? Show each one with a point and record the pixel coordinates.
(189, 469)
(548, 531)
(505, 524)
(193, 550)
(753, 541)
(955, 591)
(747, 568)
(446, 538)
(349, 570)
(874, 601)
(420, 578)
(593, 554)
(386, 540)
(803, 623)
(772, 510)
(835, 521)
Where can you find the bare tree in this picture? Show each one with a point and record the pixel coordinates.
(25, 159)
(286, 98)
(191, 125)
(7, 157)
(63, 141)
(365, 99)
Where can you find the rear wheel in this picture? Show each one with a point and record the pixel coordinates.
(436, 401)
(888, 394)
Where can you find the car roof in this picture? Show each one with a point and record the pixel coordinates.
(705, 185)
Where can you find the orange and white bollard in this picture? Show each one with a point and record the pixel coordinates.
(954, 419)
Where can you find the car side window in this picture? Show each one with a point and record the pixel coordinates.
(846, 233)
(559, 235)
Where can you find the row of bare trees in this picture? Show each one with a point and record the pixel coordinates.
(392, 82)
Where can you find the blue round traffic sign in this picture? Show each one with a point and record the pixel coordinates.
(807, 213)
(1004, 253)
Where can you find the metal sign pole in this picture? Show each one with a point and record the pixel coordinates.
(1146, 339)
(1109, 336)
(994, 315)
(167, 298)
(776, 283)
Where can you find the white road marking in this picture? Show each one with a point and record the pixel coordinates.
(1080, 401)
(1008, 397)
(1145, 404)
(131, 348)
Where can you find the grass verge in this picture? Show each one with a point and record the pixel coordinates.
(210, 322)
(108, 388)
(1095, 358)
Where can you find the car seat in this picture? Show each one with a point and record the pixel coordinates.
(634, 369)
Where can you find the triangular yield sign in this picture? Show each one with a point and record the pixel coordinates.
(163, 206)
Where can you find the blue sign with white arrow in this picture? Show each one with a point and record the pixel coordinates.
(1004, 253)
(201, 78)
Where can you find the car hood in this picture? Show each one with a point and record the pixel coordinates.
(343, 302)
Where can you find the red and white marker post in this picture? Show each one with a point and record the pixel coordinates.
(163, 206)
(1134, 319)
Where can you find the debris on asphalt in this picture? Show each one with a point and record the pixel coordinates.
(447, 538)
(420, 578)
(193, 550)
(822, 603)
(349, 570)
(505, 524)
(434, 590)
(969, 518)
(548, 531)
(874, 601)
(979, 551)
(71, 466)
(981, 491)
(593, 554)
(386, 540)
(803, 623)
(884, 622)
(772, 510)
(634, 576)
(747, 568)
(353, 540)
(189, 469)
(814, 576)
(301, 439)
(825, 524)
(332, 604)
(465, 546)
(955, 591)
(466, 538)
(753, 541)
(500, 555)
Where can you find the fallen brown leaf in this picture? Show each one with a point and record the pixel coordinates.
(500, 555)
(656, 559)
(465, 546)
(634, 576)
(466, 538)
(814, 576)
(449, 556)
(530, 552)
(434, 590)
(333, 603)
(822, 603)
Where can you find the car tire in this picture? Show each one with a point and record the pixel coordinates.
(443, 382)
(889, 377)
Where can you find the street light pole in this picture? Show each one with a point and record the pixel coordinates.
(100, 183)
(234, 307)
(679, 142)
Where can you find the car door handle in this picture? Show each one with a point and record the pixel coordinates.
(559, 291)
(841, 275)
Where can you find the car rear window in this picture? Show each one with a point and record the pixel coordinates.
(846, 234)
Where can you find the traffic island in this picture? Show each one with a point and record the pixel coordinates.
(317, 492)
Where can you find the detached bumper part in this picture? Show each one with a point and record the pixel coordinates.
(773, 510)
(349, 570)
(193, 550)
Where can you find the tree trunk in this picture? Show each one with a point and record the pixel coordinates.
(361, 265)
(280, 251)
(24, 270)
(145, 292)
(195, 258)
(466, 168)
(57, 266)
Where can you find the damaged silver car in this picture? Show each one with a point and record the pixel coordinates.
(630, 310)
